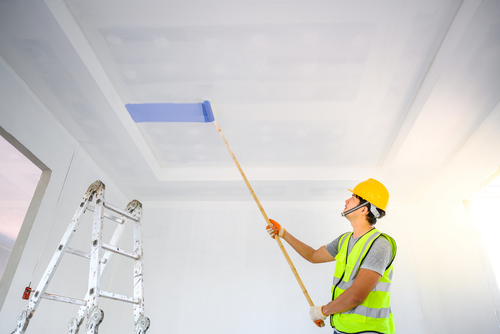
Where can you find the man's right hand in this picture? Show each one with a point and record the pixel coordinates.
(276, 229)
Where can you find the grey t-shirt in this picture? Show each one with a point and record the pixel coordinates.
(377, 259)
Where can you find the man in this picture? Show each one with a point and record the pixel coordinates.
(363, 271)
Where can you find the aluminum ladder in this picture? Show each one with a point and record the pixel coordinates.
(99, 257)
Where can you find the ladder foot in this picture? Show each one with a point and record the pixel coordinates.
(142, 325)
(22, 322)
(95, 319)
(74, 325)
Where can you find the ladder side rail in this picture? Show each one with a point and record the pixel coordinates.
(138, 266)
(57, 257)
(95, 252)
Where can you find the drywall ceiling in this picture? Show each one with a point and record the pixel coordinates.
(312, 96)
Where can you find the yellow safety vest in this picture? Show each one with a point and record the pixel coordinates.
(374, 313)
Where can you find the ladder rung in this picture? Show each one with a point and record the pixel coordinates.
(117, 296)
(105, 246)
(120, 211)
(117, 250)
(63, 299)
(102, 293)
(107, 215)
(77, 252)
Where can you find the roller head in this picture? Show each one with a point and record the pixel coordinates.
(207, 112)
(171, 112)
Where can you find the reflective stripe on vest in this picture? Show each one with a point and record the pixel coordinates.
(374, 313)
(370, 312)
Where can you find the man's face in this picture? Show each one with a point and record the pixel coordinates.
(351, 202)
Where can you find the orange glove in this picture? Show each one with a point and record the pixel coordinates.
(276, 229)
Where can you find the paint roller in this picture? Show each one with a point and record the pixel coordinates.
(202, 112)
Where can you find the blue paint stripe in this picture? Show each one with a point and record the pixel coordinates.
(171, 112)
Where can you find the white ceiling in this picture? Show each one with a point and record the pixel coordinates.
(313, 96)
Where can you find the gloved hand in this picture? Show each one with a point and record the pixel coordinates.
(275, 229)
(316, 314)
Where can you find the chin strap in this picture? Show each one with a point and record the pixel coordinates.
(343, 214)
(373, 209)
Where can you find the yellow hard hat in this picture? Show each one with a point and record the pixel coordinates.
(372, 191)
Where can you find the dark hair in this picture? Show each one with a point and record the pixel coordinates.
(370, 216)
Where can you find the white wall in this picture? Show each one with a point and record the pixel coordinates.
(455, 296)
(455, 293)
(213, 267)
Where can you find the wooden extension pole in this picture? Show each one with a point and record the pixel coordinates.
(320, 323)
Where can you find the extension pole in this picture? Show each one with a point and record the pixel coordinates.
(319, 323)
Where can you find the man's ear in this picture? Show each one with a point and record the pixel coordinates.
(365, 211)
